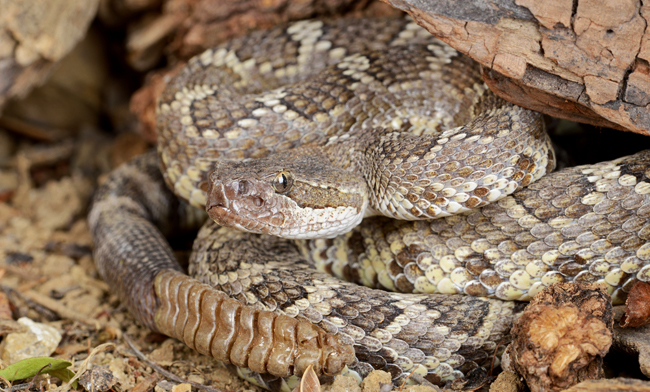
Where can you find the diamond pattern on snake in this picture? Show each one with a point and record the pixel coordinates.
(304, 130)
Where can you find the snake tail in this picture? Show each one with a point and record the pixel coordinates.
(213, 324)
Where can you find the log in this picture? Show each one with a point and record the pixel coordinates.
(585, 61)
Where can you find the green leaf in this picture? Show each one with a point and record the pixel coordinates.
(64, 375)
(31, 366)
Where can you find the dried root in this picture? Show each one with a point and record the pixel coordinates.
(562, 336)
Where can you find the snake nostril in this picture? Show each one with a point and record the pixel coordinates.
(258, 201)
(242, 188)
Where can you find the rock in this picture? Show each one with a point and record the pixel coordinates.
(584, 61)
(507, 382)
(181, 388)
(39, 340)
(97, 379)
(344, 383)
(375, 380)
(612, 385)
(34, 36)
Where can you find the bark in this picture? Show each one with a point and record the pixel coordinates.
(35, 35)
(586, 61)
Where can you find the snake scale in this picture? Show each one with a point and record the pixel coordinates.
(440, 145)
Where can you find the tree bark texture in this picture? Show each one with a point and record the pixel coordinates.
(583, 60)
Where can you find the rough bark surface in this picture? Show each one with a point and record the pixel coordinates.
(583, 60)
(637, 306)
(35, 35)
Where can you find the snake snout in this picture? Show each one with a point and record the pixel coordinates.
(216, 197)
(233, 196)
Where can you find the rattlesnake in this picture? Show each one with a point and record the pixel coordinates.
(367, 77)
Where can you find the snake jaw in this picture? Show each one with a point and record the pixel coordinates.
(252, 205)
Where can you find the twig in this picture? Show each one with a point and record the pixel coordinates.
(40, 309)
(17, 388)
(60, 309)
(157, 368)
(84, 366)
(32, 131)
(495, 356)
(24, 273)
(407, 378)
(7, 383)
(37, 374)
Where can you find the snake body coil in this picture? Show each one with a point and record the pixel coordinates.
(389, 76)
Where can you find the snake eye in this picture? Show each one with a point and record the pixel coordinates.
(282, 182)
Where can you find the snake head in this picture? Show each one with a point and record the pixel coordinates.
(297, 194)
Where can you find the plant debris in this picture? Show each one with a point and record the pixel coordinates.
(562, 336)
(637, 306)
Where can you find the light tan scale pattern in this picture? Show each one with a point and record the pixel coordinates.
(405, 94)
(465, 168)
(587, 224)
(439, 337)
(216, 105)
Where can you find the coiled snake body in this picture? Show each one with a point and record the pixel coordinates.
(382, 87)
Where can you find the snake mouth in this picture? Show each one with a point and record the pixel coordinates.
(217, 199)
(218, 206)
(237, 205)
(253, 206)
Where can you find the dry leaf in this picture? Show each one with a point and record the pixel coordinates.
(637, 306)
(309, 382)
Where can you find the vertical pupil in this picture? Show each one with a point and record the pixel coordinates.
(281, 184)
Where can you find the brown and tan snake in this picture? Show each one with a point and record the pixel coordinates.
(316, 123)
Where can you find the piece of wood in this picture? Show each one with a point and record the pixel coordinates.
(35, 35)
(587, 63)
(634, 341)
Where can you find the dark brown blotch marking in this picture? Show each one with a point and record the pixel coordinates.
(480, 192)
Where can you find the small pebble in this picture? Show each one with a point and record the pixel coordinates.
(39, 340)
(181, 388)
(97, 379)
